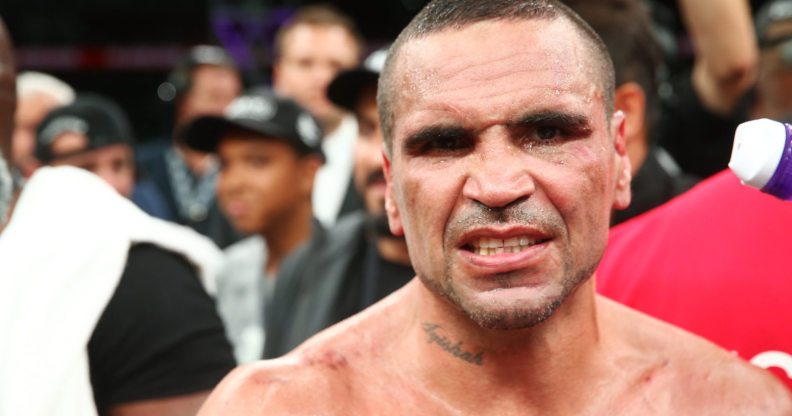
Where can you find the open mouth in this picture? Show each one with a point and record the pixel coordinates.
(485, 246)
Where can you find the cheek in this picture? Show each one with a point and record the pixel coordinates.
(426, 200)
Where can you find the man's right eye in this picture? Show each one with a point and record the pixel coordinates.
(439, 142)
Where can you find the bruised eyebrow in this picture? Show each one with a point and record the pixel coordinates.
(571, 121)
(433, 135)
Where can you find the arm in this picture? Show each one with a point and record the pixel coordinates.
(159, 346)
(726, 51)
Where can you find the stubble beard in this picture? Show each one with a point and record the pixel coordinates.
(518, 315)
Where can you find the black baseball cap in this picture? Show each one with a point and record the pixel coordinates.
(262, 112)
(346, 87)
(99, 119)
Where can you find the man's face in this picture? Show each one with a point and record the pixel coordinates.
(261, 181)
(774, 80)
(30, 111)
(310, 58)
(503, 169)
(368, 176)
(115, 163)
(212, 89)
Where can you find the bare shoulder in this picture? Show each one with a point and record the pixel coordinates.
(288, 385)
(325, 375)
(692, 373)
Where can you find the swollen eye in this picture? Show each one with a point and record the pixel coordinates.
(547, 133)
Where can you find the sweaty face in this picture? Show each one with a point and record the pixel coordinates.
(503, 169)
(211, 90)
(368, 176)
(115, 164)
(261, 181)
(310, 58)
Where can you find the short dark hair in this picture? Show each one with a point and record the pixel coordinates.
(181, 77)
(457, 14)
(626, 28)
(318, 15)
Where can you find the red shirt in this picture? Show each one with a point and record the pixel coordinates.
(716, 261)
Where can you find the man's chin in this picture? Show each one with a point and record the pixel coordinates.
(509, 308)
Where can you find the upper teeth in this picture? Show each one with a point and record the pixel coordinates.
(487, 246)
(498, 242)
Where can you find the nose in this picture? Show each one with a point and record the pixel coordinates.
(499, 174)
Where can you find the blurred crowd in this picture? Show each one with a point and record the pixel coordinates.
(261, 219)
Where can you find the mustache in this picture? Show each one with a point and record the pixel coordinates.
(479, 215)
(374, 177)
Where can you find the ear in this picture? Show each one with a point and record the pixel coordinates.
(623, 172)
(631, 100)
(394, 216)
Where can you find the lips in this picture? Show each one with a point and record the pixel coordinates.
(235, 208)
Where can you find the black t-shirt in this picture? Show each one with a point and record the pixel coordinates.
(159, 336)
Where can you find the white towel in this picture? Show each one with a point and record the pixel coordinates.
(61, 258)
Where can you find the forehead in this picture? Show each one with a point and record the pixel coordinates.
(240, 141)
(323, 39)
(214, 75)
(493, 69)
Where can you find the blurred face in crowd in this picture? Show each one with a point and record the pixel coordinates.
(504, 194)
(114, 163)
(261, 180)
(368, 176)
(212, 88)
(7, 105)
(311, 56)
(774, 81)
(31, 110)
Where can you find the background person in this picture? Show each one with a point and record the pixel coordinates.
(204, 82)
(37, 95)
(310, 49)
(358, 261)
(269, 150)
(123, 323)
(93, 133)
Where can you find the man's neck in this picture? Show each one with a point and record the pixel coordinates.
(549, 360)
(286, 235)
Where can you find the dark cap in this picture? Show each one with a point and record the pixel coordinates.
(772, 12)
(99, 119)
(347, 86)
(261, 112)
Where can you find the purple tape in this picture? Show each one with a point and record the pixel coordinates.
(780, 184)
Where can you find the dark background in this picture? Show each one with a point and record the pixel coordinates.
(123, 48)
